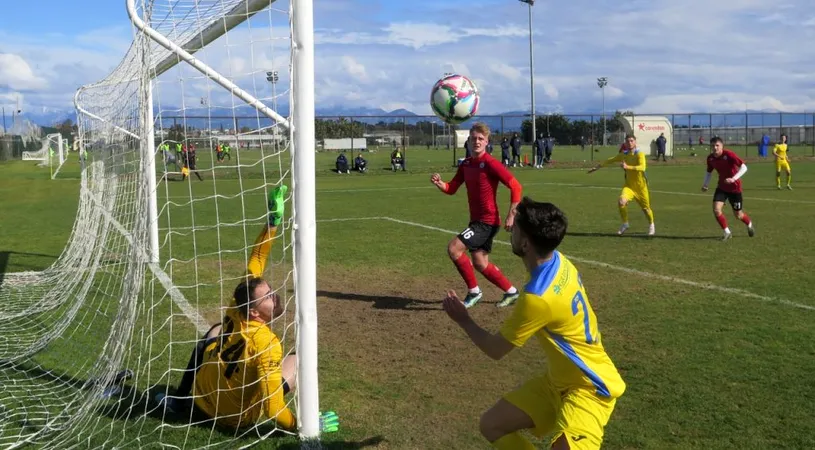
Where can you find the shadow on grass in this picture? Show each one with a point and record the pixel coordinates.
(328, 444)
(131, 404)
(384, 301)
(645, 236)
(6, 255)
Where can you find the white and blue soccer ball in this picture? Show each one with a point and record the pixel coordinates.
(454, 99)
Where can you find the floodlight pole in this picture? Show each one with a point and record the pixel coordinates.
(530, 3)
(602, 82)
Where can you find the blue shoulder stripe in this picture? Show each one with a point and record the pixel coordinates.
(543, 275)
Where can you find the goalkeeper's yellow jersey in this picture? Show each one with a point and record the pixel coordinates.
(635, 177)
(241, 376)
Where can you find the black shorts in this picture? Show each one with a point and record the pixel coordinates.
(734, 198)
(478, 236)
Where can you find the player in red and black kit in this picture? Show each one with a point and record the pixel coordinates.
(480, 173)
(190, 161)
(730, 168)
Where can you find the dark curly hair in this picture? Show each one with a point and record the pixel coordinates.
(543, 223)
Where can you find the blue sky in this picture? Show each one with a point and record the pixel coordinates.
(661, 56)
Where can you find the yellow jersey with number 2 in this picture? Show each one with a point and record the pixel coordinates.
(554, 307)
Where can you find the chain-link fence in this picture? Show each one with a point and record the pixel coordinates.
(391, 132)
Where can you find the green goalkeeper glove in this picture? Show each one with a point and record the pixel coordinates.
(329, 422)
(277, 202)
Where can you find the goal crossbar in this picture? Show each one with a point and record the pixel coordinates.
(186, 56)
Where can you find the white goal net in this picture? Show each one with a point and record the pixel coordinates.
(173, 211)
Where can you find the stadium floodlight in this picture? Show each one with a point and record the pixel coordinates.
(530, 3)
(602, 82)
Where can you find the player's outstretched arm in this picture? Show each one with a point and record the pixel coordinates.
(614, 159)
(742, 170)
(263, 242)
(493, 345)
(451, 187)
(707, 180)
(515, 189)
(270, 376)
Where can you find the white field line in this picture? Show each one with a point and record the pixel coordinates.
(543, 183)
(692, 194)
(644, 274)
(166, 282)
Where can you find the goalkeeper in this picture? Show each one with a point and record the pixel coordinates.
(237, 372)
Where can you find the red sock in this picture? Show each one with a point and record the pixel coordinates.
(497, 278)
(465, 269)
(722, 221)
(746, 219)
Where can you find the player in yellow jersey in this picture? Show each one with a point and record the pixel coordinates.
(574, 399)
(782, 162)
(633, 162)
(237, 372)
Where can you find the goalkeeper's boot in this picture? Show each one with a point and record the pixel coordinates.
(508, 299)
(472, 299)
(277, 204)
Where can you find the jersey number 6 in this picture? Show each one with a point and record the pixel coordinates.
(579, 301)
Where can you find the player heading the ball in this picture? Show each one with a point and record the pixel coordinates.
(633, 162)
(237, 372)
(480, 173)
(730, 169)
(574, 399)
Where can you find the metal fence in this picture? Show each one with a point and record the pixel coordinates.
(567, 129)
(390, 131)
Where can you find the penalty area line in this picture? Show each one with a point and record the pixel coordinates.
(642, 273)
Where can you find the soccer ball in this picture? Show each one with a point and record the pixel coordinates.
(454, 99)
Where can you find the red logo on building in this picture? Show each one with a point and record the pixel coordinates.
(644, 127)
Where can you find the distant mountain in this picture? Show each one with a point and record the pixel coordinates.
(222, 117)
(44, 116)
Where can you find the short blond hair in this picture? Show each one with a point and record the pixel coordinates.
(480, 127)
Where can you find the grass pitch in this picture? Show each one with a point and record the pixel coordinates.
(714, 340)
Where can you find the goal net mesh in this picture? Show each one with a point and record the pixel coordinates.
(88, 343)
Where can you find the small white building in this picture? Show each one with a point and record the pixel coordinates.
(647, 129)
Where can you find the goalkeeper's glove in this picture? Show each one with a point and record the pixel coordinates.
(277, 201)
(329, 422)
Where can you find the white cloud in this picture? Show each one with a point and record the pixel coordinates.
(659, 56)
(354, 68)
(16, 74)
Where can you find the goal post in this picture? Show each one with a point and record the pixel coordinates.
(303, 165)
(155, 254)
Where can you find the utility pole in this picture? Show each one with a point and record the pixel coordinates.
(530, 3)
(602, 82)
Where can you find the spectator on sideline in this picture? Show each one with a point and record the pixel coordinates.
(515, 143)
(661, 144)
